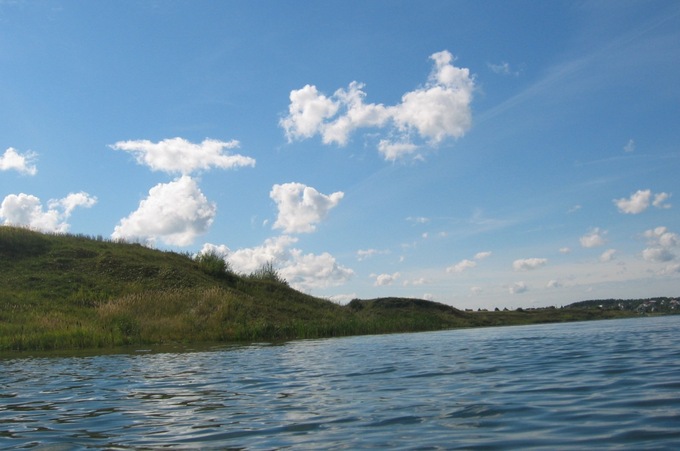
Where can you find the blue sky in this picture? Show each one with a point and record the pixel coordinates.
(479, 154)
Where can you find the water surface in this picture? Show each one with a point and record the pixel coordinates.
(604, 384)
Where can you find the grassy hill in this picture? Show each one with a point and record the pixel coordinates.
(67, 292)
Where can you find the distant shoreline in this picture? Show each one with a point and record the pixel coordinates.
(68, 292)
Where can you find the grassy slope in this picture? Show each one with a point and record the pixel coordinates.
(64, 292)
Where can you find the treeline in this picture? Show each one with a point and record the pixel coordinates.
(649, 305)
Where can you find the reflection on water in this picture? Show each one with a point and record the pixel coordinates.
(569, 386)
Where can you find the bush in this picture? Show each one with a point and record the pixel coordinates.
(212, 264)
(267, 272)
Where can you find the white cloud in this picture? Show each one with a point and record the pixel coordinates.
(482, 255)
(179, 156)
(220, 250)
(309, 271)
(671, 269)
(660, 243)
(630, 146)
(363, 254)
(607, 255)
(301, 207)
(26, 209)
(393, 151)
(461, 266)
(565, 250)
(343, 298)
(662, 237)
(553, 284)
(175, 213)
(594, 238)
(657, 254)
(302, 271)
(273, 250)
(419, 281)
(307, 111)
(418, 219)
(13, 160)
(438, 110)
(502, 69)
(639, 202)
(385, 279)
(526, 264)
(518, 287)
(659, 200)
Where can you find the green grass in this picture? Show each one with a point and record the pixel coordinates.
(74, 292)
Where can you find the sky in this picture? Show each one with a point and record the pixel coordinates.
(495, 154)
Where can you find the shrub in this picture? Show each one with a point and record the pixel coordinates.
(267, 272)
(212, 264)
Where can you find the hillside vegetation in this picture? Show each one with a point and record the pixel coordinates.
(76, 292)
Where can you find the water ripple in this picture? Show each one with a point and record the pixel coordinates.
(569, 386)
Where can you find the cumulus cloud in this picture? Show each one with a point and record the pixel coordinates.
(640, 200)
(662, 236)
(301, 207)
(302, 271)
(385, 279)
(657, 254)
(13, 160)
(661, 242)
(274, 250)
(526, 264)
(637, 203)
(27, 210)
(220, 250)
(594, 238)
(518, 287)
(565, 250)
(607, 255)
(179, 156)
(461, 266)
(660, 199)
(174, 213)
(310, 271)
(438, 110)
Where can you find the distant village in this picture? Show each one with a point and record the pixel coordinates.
(651, 305)
(642, 306)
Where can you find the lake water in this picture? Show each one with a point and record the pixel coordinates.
(604, 384)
